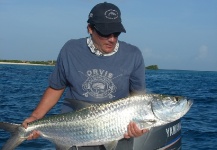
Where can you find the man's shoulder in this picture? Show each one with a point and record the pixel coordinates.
(129, 48)
(73, 45)
(75, 41)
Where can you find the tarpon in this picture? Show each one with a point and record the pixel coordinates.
(101, 124)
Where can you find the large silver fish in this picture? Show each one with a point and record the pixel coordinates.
(101, 124)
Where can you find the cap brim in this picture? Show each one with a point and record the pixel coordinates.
(109, 28)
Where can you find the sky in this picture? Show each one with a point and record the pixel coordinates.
(172, 34)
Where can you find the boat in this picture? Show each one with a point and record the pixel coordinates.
(166, 137)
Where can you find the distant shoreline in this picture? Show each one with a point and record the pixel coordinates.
(12, 63)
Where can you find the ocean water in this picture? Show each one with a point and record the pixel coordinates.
(21, 87)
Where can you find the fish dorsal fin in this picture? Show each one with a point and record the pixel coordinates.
(111, 145)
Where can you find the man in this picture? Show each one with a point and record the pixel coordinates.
(95, 70)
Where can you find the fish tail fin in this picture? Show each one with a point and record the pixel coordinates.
(15, 138)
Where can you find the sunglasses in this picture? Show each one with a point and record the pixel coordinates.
(115, 34)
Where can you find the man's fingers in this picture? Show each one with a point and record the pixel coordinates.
(28, 120)
(30, 137)
(25, 124)
(134, 131)
(144, 131)
(126, 136)
(33, 135)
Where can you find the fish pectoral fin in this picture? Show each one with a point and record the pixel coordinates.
(145, 124)
(111, 145)
(151, 121)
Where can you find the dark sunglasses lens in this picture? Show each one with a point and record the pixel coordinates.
(116, 34)
(103, 35)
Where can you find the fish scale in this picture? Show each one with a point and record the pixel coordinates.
(102, 124)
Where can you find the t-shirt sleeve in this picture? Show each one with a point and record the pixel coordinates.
(57, 79)
(137, 77)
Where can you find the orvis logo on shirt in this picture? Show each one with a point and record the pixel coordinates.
(99, 84)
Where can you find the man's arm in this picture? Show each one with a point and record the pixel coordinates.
(49, 99)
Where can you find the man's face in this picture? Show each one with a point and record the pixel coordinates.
(104, 43)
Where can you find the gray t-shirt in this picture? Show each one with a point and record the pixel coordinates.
(98, 78)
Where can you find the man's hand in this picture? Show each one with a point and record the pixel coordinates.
(134, 131)
(34, 134)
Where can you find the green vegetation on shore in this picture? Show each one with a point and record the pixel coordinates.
(49, 62)
(52, 62)
(152, 67)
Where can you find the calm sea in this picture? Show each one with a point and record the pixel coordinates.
(21, 87)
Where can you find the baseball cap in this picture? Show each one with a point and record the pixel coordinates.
(106, 18)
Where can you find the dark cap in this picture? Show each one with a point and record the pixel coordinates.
(106, 18)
